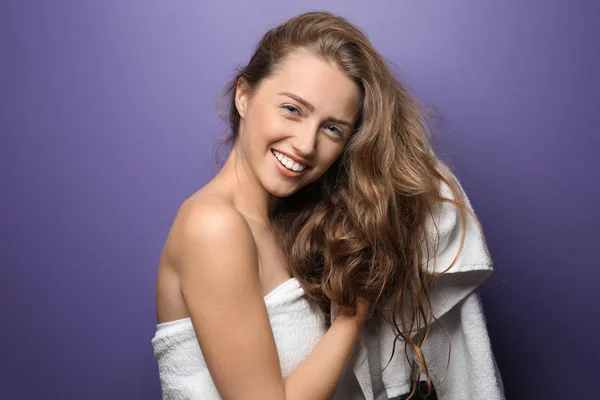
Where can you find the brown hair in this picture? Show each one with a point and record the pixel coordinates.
(360, 229)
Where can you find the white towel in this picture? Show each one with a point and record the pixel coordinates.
(297, 327)
(473, 373)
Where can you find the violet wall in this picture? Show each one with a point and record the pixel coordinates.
(108, 121)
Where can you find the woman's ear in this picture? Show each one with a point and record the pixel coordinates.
(242, 95)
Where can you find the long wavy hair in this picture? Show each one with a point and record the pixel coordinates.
(360, 229)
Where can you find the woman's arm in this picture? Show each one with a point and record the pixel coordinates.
(215, 254)
(318, 375)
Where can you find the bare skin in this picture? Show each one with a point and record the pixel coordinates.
(221, 256)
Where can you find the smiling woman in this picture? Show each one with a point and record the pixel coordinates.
(223, 278)
(326, 199)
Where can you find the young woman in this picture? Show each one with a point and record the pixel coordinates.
(324, 199)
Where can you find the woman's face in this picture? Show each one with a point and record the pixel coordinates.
(295, 124)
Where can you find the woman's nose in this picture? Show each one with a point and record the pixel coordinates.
(305, 141)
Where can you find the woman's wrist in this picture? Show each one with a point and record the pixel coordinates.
(356, 316)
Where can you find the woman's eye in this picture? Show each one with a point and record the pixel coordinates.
(292, 109)
(335, 130)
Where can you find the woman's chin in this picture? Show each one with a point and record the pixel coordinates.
(282, 191)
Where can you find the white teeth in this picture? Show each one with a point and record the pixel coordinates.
(288, 162)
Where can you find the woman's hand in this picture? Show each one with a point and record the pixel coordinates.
(362, 309)
(360, 313)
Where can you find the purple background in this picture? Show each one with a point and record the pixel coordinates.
(108, 121)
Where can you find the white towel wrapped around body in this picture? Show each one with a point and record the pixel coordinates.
(297, 327)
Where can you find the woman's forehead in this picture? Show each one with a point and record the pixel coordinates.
(318, 81)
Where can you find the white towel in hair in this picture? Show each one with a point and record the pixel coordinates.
(472, 374)
(297, 327)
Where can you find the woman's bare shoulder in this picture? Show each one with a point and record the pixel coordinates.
(207, 223)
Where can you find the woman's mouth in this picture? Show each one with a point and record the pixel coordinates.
(288, 163)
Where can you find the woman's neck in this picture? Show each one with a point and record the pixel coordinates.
(244, 189)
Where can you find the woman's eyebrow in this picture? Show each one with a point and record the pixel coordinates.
(311, 108)
(299, 99)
